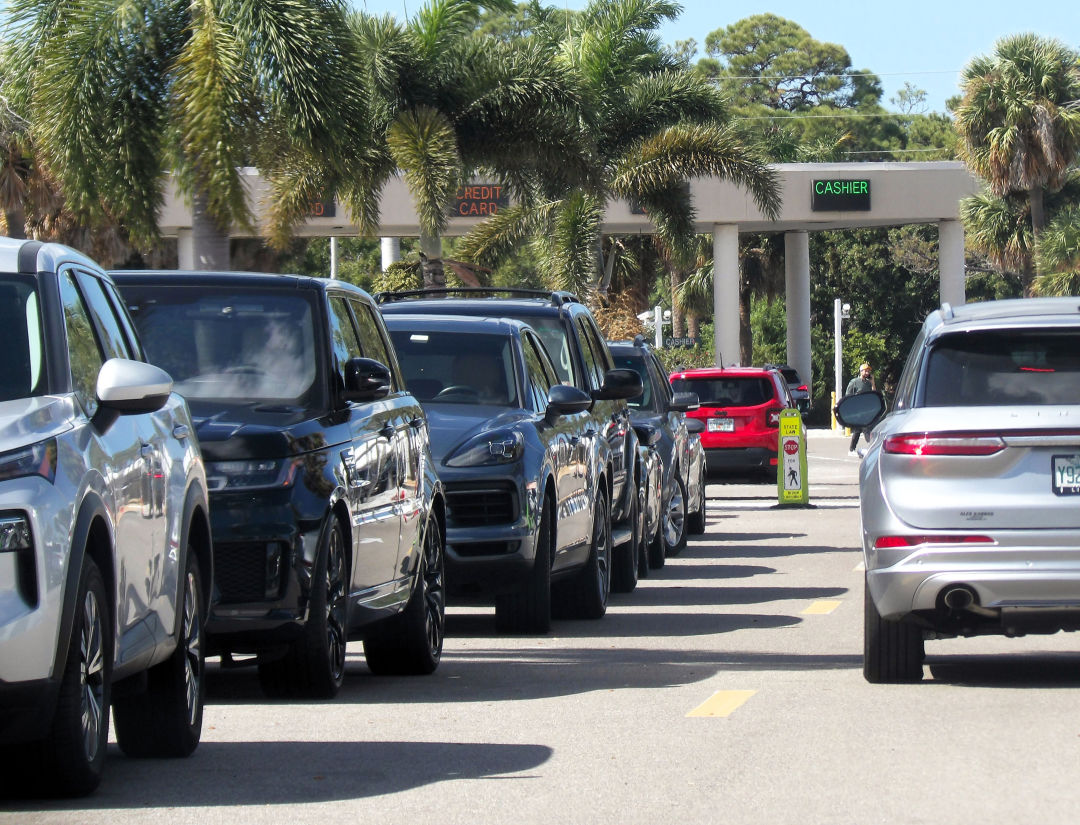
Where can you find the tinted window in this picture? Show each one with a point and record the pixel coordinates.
(83, 352)
(594, 366)
(230, 344)
(538, 376)
(1004, 367)
(112, 337)
(553, 334)
(343, 338)
(732, 391)
(647, 400)
(22, 366)
(471, 368)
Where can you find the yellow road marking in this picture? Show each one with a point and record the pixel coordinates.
(820, 608)
(722, 703)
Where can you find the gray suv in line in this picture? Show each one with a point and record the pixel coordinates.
(106, 567)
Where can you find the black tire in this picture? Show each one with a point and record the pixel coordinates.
(70, 760)
(657, 551)
(314, 665)
(166, 718)
(695, 521)
(673, 524)
(893, 652)
(643, 540)
(529, 610)
(411, 642)
(586, 595)
(624, 572)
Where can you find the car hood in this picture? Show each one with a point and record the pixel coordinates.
(451, 425)
(29, 420)
(255, 430)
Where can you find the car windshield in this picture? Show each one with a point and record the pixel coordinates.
(22, 371)
(647, 399)
(456, 368)
(999, 367)
(229, 344)
(727, 391)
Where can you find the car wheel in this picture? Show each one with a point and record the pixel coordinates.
(166, 718)
(893, 652)
(529, 610)
(314, 665)
(587, 594)
(673, 528)
(695, 521)
(640, 526)
(71, 758)
(411, 642)
(624, 573)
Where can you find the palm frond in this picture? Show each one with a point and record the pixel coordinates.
(424, 146)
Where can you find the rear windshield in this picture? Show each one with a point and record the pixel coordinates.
(22, 366)
(227, 344)
(730, 391)
(456, 368)
(1025, 367)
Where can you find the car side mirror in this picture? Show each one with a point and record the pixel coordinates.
(695, 426)
(861, 411)
(684, 402)
(646, 433)
(128, 387)
(366, 380)
(619, 383)
(566, 400)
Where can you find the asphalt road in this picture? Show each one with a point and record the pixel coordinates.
(726, 689)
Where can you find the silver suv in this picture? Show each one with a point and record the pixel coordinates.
(970, 485)
(105, 554)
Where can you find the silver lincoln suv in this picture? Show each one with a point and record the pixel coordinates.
(105, 553)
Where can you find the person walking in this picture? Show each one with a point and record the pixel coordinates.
(863, 382)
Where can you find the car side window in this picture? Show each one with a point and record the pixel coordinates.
(84, 355)
(538, 379)
(594, 370)
(371, 339)
(122, 314)
(342, 336)
(101, 309)
(905, 388)
(660, 378)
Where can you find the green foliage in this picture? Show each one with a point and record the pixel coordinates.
(1059, 254)
(400, 275)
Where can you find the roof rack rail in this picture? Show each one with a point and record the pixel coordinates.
(947, 311)
(557, 297)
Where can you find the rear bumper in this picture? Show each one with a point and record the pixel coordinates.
(1008, 578)
(739, 458)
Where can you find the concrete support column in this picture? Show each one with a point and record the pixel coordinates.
(797, 285)
(185, 249)
(391, 252)
(951, 262)
(726, 293)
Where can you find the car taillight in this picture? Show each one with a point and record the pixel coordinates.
(803, 388)
(886, 542)
(772, 417)
(963, 444)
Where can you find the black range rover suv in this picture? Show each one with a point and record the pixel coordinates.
(581, 358)
(326, 513)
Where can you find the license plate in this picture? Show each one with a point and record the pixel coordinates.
(1065, 470)
(725, 425)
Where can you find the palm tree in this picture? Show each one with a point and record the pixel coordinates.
(1018, 121)
(1058, 254)
(653, 126)
(120, 93)
(449, 104)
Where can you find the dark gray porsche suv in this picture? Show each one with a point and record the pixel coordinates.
(327, 515)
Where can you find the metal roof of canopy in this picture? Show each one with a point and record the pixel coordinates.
(901, 193)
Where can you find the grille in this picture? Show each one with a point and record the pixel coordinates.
(478, 506)
(247, 572)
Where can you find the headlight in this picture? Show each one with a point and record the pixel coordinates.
(36, 460)
(497, 447)
(245, 475)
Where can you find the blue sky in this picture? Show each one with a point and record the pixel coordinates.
(924, 42)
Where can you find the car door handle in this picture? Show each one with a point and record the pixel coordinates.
(180, 432)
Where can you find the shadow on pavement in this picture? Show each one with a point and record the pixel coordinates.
(1030, 670)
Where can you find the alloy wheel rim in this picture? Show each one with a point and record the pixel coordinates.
(91, 676)
(434, 592)
(335, 605)
(675, 517)
(603, 550)
(192, 640)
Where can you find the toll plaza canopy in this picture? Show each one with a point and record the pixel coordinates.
(815, 196)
